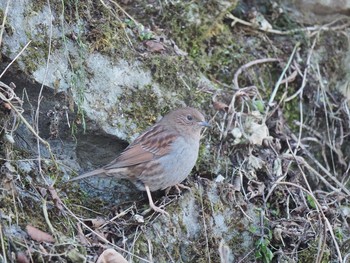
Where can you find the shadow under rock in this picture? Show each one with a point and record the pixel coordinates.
(94, 150)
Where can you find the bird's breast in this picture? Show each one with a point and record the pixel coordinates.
(171, 168)
(180, 162)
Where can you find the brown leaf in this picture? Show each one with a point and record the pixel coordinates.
(7, 106)
(39, 235)
(220, 106)
(111, 256)
(154, 46)
(97, 222)
(21, 257)
(56, 198)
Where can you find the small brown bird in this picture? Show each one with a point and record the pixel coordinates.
(161, 157)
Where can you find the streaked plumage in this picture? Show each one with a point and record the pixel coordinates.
(162, 156)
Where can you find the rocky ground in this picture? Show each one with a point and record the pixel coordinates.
(80, 80)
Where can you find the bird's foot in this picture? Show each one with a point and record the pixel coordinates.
(152, 205)
(178, 188)
(158, 209)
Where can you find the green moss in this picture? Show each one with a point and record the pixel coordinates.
(191, 23)
(38, 6)
(37, 52)
(105, 29)
(292, 113)
(145, 111)
(32, 59)
(309, 254)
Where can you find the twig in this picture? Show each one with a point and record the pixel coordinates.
(20, 53)
(303, 84)
(242, 91)
(4, 21)
(47, 219)
(335, 180)
(121, 9)
(205, 226)
(129, 16)
(4, 258)
(249, 64)
(325, 219)
(318, 140)
(100, 236)
(293, 31)
(36, 119)
(326, 118)
(274, 92)
(34, 132)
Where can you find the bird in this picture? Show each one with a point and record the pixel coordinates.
(161, 157)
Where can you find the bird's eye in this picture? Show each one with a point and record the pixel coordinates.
(189, 117)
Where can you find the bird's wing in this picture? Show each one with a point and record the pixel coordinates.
(152, 144)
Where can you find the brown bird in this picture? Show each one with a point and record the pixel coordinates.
(162, 156)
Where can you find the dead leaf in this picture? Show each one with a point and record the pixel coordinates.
(139, 219)
(39, 235)
(56, 198)
(7, 106)
(277, 234)
(42, 191)
(111, 256)
(259, 20)
(255, 162)
(21, 257)
(224, 252)
(237, 134)
(9, 138)
(219, 179)
(255, 188)
(154, 46)
(220, 106)
(277, 167)
(237, 184)
(97, 222)
(256, 132)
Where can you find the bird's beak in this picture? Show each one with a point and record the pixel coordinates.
(204, 124)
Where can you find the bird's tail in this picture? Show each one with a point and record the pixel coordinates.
(99, 172)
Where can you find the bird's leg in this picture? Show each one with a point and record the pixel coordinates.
(177, 186)
(182, 186)
(151, 204)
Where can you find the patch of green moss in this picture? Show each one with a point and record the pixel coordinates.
(146, 104)
(142, 105)
(8, 27)
(309, 254)
(99, 29)
(292, 113)
(178, 77)
(37, 6)
(37, 52)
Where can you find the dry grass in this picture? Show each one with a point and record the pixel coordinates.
(296, 173)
